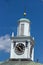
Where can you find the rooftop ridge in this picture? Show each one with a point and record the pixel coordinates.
(20, 62)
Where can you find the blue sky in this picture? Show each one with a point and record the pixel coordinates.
(10, 12)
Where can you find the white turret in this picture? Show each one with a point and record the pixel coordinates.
(23, 27)
(22, 45)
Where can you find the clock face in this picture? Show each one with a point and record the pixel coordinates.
(19, 49)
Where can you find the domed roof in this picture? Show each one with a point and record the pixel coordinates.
(20, 63)
(24, 20)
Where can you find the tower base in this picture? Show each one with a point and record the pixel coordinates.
(20, 60)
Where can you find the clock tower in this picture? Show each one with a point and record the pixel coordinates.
(22, 45)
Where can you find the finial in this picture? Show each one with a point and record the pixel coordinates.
(12, 34)
(33, 38)
(25, 12)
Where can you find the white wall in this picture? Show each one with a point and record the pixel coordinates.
(26, 54)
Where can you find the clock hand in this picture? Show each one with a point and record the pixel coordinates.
(20, 48)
